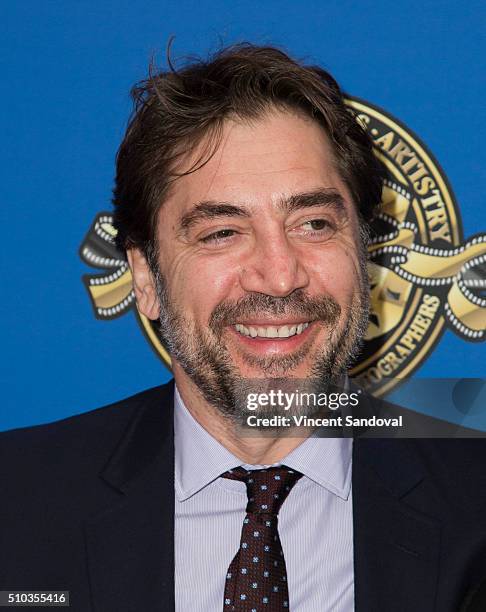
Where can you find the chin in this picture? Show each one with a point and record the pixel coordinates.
(275, 369)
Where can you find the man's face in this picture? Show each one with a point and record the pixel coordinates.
(261, 273)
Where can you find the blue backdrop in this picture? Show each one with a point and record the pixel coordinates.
(67, 70)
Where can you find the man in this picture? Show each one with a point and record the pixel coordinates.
(243, 192)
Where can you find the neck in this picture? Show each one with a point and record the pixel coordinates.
(252, 450)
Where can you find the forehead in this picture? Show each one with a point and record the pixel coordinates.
(259, 162)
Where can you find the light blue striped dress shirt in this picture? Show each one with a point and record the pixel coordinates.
(315, 522)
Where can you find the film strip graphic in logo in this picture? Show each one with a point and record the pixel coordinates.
(424, 276)
(457, 269)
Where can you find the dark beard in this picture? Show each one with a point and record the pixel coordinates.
(205, 359)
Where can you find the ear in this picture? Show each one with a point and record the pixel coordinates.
(143, 284)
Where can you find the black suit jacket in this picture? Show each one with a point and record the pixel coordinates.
(87, 505)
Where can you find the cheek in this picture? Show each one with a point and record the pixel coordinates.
(200, 285)
(335, 270)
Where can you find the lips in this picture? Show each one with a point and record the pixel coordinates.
(271, 331)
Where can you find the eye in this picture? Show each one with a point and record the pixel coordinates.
(218, 236)
(316, 224)
(317, 230)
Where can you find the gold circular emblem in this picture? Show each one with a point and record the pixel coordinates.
(423, 276)
(420, 272)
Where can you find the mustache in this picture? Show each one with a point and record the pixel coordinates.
(323, 308)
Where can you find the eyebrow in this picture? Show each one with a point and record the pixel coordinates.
(211, 209)
(318, 197)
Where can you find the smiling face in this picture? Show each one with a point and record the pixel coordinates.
(261, 268)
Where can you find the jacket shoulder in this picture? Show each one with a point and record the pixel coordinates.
(83, 437)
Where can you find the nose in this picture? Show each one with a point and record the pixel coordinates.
(274, 268)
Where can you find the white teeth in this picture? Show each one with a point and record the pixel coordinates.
(283, 331)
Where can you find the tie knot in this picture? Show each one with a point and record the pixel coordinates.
(267, 489)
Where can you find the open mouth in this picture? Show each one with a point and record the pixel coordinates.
(271, 331)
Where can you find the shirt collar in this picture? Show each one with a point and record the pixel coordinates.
(200, 458)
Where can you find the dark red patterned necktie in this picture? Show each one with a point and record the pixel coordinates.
(257, 577)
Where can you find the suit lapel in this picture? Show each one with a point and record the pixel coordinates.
(130, 546)
(396, 547)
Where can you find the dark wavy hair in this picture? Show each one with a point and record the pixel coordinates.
(175, 110)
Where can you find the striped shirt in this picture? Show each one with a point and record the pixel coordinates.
(315, 522)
